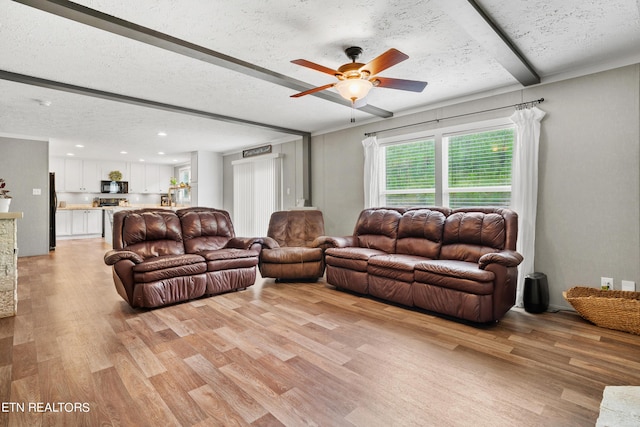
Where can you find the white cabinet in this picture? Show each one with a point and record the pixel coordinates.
(151, 179)
(108, 166)
(78, 222)
(86, 221)
(63, 223)
(165, 173)
(81, 176)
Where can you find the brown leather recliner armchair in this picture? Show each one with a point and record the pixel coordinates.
(289, 251)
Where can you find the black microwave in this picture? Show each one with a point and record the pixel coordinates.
(114, 187)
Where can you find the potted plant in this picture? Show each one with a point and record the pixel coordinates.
(115, 175)
(5, 198)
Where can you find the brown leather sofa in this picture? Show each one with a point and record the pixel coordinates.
(162, 257)
(460, 263)
(290, 251)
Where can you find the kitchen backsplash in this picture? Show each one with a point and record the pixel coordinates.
(87, 198)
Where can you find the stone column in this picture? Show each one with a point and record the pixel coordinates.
(9, 263)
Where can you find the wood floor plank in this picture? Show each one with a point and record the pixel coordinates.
(289, 354)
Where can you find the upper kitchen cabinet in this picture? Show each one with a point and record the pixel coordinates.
(109, 166)
(151, 179)
(81, 176)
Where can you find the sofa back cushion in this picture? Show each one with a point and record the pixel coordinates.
(420, 232)
(296, 228)
(205, 229)
(148, 232)
(377, 228)
(471, 233)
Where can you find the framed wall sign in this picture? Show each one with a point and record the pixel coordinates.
(265, 149)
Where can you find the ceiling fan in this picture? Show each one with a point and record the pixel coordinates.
(355, 79)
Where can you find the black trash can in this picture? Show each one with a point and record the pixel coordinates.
(536, 293)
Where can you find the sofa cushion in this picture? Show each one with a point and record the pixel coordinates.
(420, 233)
(459, 275)
(205, 229)
(168, 266)
(230, 258)
(296, 227)
(377, 228)
(228, 253)
(149, 233)
(291, 255)
(469, 235)
(394, 266)
(350, 258)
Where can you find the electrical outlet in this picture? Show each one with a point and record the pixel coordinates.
(628, 285)
(606, 283)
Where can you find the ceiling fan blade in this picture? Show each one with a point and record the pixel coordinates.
(384, 61)
(314, 90)
(401, 84)
(316, 67)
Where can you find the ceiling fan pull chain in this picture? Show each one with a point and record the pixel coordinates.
(353, 111)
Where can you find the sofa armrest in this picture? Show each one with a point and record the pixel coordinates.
(248, 243)
(269, 243)
(113, 256)
(505, 258)
(334, 242)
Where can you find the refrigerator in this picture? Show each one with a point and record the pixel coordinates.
(53, 204)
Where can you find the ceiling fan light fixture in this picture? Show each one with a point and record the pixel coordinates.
(353, 89)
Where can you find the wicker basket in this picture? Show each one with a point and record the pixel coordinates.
(619, 310)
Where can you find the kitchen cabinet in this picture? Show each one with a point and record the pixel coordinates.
(78, 222)
(149, 179)
(81, 176)
(86, 221)
(63, 223)
(56, 165)
(108, 166)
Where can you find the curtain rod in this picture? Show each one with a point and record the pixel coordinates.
(520, 106)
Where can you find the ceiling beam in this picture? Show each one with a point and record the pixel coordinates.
(103, 21)
(479, 25)
(80, 90)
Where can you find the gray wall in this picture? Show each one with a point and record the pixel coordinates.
(24, 164)
(588, 222)
(292, 175)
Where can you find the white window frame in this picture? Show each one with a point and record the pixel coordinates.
(442, 190)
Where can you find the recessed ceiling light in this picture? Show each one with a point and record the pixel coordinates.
(70, 154)
(123, 152)
(44, 103)
(79, 145)
(162, 133)
(142, 160)
(161, 153)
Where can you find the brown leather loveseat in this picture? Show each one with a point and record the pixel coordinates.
(460, 263)
(162, 257)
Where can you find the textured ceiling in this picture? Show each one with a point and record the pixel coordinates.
(568, 37)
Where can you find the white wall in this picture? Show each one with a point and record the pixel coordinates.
(589, 210)
(206, 179)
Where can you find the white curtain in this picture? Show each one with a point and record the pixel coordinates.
(371, 172)
(524, 188)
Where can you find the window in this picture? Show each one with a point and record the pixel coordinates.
(478, 168)
(184, 175)
(410, 178)
(450, 167)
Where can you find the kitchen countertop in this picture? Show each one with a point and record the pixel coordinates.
(89, 207)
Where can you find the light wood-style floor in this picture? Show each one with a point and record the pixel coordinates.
(287, 354)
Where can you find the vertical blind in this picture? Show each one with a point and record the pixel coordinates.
(257, 193)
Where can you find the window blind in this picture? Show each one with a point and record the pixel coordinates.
(257, 193)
